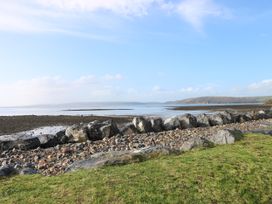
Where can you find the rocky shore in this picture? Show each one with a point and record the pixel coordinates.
(55, 154)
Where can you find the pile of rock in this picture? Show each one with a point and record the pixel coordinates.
(55, 160)
(98, 130)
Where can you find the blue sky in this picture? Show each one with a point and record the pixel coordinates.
(56, 51)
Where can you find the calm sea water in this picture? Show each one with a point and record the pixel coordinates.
(113, 109)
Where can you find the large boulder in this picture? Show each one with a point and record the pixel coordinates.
(26, 144)
(128, 129)
(244, 117)
(195, 142)
(203, 120)
(227, 117)
(48, 141)
(216, 119)
(258, 115)
(188, 121)
(98, 130)
(171, 123)
(156, 124)
(121, 157)
(109, 129)
(7, 170)
(226, 137)
(77, 133)
(142, 124)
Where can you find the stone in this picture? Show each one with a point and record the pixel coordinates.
(7, 170)
(28, 171)
(142, 124)
(27, 144)
(188, 121)
(226, 137)
(77, 133)
(258, 115)
(120, 157)
(195, 142)
(171, 123)
(129, 129)
(227, 117)
(202, 120)
(48, 141)
(216, 119)
(156, 124)
(99, 130)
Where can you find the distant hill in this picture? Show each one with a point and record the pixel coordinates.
(223, 100)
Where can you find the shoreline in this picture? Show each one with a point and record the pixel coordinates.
(14, 124)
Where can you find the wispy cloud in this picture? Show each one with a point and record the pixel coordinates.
(63, 16)
(196, 11)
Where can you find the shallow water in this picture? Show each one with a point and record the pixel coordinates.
(102, 109)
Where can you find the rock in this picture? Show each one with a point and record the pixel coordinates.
(241, 118)
(99, 130)
(171, 123)
(195, 142)
(26, 144)
(260, 115)
(120, 157)
(77, 133)
(129, 129)
(216, 119)
(94, 130)
(188, 121)
(226, 137)
(227, 117)
(28, 171)
(7, 171)
(156, 124)
(264, 132)
(109, 129)
(48, 141)
(202, 120)
(142, 124)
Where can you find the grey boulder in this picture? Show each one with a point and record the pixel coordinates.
(156, 124)
(188, 121)
(121, 157)
(203, 120)
(171, 123)
(128, 129)
(226, 137)
(142, 124)
(77, 133)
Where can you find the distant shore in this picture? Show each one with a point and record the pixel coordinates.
(238, 107)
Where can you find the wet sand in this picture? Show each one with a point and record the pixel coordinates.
(13, 124)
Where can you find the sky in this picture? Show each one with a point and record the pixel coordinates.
(62, 51)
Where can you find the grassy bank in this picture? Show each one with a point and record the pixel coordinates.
(239, 173)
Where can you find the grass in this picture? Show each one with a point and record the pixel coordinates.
(239, 173)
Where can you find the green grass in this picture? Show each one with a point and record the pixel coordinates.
(239, 173)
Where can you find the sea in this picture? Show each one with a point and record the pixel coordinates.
(98, 109)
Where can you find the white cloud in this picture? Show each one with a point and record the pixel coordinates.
(261, 88)
(64, 16)
(195, 11)
(123, 7)
(115, 77)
